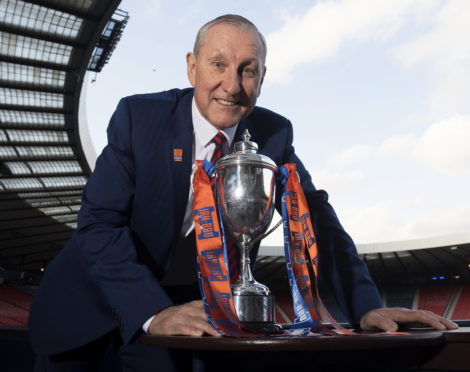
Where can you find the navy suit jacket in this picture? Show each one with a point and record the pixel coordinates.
(132, 211)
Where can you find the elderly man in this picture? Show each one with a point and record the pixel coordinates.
(131, 268)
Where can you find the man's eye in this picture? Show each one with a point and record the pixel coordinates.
(218, 65)
(249, 72)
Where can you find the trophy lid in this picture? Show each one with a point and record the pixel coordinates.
(245, 153)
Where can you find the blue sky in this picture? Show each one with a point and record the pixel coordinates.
(378, 93)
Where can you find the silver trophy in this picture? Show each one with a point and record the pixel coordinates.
(245, 190)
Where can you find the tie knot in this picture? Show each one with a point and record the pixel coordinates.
(219, 140)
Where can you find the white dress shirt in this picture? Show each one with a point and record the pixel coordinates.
(203, 148)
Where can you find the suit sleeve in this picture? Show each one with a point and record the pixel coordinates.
(105, 238)
(341, 269)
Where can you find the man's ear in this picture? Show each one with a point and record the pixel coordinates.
(262, 79)
(191, 67)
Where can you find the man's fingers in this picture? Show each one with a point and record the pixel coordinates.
(445, 322)
(385, 318)
(374, 320)
(409, 316)
(188, 319)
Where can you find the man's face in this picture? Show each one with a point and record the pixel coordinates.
(227, 75)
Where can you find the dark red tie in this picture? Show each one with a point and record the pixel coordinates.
(219, 140)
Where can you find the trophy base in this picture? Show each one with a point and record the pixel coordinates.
(256, 312)
(254, 308)
(264, 327)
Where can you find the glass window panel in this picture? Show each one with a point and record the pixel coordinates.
(34, 49)
(46, 194)
(37, 136)
(78, 181)
(7, 152)
(44, 151)
(72, 225)
(38, 203)
(55, 210)
(66, 218)
(3, 136)
(55, 166)
(72, 202)
(74, 208)
(31, 118)
(36, 76)
(40, 19)
(13, 184)
(31, 98)
(74, 4)
(17, 167)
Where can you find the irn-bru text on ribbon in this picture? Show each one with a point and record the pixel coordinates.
(309, 239)
(294, 205)
(206, 222)
(298, 259)
(212, 258)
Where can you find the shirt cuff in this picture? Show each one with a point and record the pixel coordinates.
(146, 325)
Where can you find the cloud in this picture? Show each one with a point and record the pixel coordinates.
(153, 8)
(405, 218)
(446, 43)
(445, 146)
(376, 223)
(339, 183)
(399, 145)
(446, 47)
(404, 214)
(350, 156)
(328, 25)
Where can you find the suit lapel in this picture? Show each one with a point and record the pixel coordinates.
(179, 147)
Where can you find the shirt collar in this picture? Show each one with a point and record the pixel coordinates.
(205, 131)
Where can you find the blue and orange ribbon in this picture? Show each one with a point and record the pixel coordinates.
(299, 237)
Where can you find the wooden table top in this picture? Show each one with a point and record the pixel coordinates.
(364, 341)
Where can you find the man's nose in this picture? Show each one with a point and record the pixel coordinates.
(232, 82)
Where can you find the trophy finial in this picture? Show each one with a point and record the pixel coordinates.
(245, 145)
(246, 136)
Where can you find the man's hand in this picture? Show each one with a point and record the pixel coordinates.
(388, 319)
(188, 320)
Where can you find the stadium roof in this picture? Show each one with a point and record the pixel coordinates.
(46, 47)
(416, 260)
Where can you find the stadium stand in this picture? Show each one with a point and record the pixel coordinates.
(14, 306)
(435, 297)
(462, 308)
(12, 315)
(15, 297)
(284, 302)
(285, 311)
(399, 295)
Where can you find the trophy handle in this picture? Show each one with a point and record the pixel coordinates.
(262, 236)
